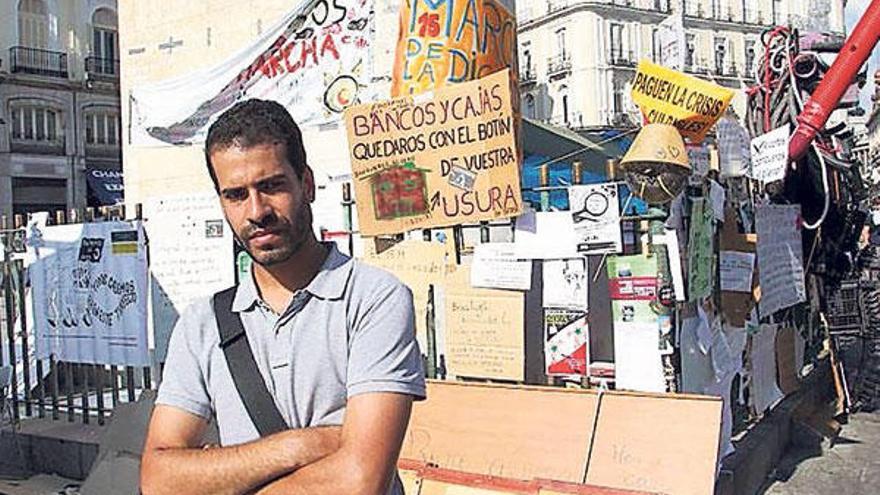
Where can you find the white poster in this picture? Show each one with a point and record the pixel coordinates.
(595, 210)
(734, 153)
(496, 266)
(764, 390)
(770, 155)
(545, 235)
(673, 44)
(191, 255)
(315, 62)
(780, 257)
(89, 284)
(565, 284)
(637, 362)
(736, 271)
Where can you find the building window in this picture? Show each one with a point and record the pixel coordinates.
(530, 106)
(720, 55)
(33, 24)
(102, 127)
(691, 43)
(661, 5)
(617, 97)
(616, 40)
(35, 121)
(655, 45)
(563, 100)
(716, 9)
(105, 42)
(560, 44)
(750, 57)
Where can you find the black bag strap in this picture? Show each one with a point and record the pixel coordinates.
(243, 367)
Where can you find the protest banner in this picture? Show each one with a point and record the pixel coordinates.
(690, 104)
(452, 42)
(435, 162)
(89, 284)
(595, 210)
(315, 61)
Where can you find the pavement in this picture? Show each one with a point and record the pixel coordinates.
(848, 466)
(42, 484)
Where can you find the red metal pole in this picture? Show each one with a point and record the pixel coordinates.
(825, 99)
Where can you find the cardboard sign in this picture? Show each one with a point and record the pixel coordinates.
(484, 330)
(436, 162)
(470, 428)
(452, 42)
(770, 155)
(669, 97)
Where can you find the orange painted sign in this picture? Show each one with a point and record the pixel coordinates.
(452, 41)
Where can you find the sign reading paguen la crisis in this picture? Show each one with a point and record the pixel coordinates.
(666, 96)
(435, 162)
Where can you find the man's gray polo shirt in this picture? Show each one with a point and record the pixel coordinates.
(349, 332)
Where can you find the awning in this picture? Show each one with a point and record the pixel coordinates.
(105, 187)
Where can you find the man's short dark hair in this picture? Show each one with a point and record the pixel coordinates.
(255, 122)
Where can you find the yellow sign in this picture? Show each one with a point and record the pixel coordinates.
(435, 162)
(452, 41)
(669, 97)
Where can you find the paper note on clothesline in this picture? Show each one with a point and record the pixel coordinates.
(495, 266)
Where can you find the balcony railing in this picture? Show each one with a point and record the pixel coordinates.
(559, 64)
(25, 60)
(102, 67)
(528, 75)
(37, 147)
(622, 58)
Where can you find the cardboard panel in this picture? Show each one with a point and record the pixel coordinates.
(412, 481)
(656, 443)
(433, 487)
(512, 432)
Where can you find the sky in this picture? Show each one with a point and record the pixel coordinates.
(854, 10)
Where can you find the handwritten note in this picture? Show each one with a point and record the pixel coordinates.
(191, 256)
(736, 271)
(418, 264)
(770, 155)
(484, 330)
(780, 257)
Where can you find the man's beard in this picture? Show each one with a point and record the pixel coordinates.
(291, 237)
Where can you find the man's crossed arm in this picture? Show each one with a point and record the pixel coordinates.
(359, 459)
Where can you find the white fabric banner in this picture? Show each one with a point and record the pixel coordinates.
(672, 42)
(315, 61)
(89, 284)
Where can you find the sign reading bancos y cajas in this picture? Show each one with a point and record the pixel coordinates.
(690, 104)
(431, 162)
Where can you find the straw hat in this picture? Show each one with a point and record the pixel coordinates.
(656, 165)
